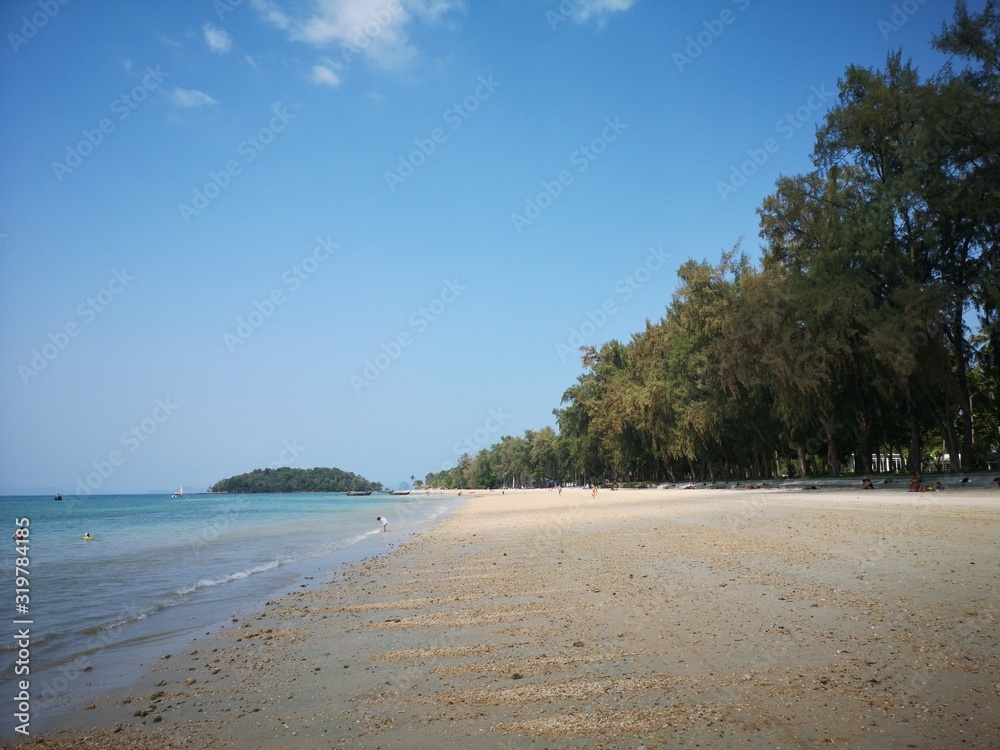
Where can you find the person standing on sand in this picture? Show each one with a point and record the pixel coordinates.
(384, 522)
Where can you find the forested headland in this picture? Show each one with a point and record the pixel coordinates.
(867, 328)
(285, 479)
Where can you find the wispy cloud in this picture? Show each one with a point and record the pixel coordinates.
(271, 13)
(218, 40)
(190, 98)
(323, 73)
(376, 29)
(584, 10)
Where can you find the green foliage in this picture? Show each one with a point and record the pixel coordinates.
(287, 480)
(871, 325)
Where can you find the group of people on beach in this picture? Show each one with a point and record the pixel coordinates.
(915, 484)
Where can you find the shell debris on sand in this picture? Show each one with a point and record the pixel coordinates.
(639, 721)
(571, 690)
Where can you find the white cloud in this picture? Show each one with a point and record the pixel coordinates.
(218, 40)
(324, 74)
(271, 13)
(433, 10)
(584, 10)
(190, 98)
(376, 29)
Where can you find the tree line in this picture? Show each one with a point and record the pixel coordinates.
(286, 480)
(867, 328)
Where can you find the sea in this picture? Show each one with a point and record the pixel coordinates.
(161, 571)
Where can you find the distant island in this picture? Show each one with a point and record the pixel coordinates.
(286, 479)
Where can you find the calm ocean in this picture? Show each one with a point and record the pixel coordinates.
(163, 570)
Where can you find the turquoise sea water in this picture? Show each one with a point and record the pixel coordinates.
(162, 570)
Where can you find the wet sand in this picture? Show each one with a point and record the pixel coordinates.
(645, 618)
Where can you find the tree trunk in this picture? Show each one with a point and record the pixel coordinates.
(801, 450)
(950, 438)
(832, 457)
(962, 374)
(863, 443)
(915, 443)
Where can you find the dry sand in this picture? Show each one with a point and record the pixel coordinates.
(644, 619)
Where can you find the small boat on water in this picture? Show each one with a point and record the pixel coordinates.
(359, 493)
(400, 492)
(58, 497)
(179, 493)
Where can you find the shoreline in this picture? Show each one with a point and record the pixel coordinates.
(117, 662)
(771, 617)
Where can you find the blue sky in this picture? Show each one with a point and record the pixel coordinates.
(359, 233)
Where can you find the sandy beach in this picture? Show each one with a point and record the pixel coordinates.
(643, 619)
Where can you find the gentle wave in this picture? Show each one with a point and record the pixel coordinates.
(237, 576)
(35, 640)
(122, 621)
(179, 596)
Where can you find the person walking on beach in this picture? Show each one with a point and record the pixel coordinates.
(384, 522)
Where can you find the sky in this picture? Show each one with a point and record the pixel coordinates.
(371, 234)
